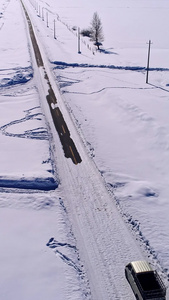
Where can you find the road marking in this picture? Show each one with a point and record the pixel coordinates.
(63, 128)
(75, 161)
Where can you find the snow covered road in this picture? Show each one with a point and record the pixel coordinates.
(103, 239)
(69, 147)
(104, 243)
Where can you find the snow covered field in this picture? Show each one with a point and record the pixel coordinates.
(122, 121)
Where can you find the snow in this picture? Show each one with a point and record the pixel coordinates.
(67, 231)
(29, 268)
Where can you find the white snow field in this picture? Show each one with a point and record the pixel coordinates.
(67, 231)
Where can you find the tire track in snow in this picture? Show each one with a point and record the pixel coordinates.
(38, 133)
(53, 244)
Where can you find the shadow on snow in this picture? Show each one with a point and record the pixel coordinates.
(64, 65)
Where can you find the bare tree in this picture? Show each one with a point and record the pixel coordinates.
(96, 30)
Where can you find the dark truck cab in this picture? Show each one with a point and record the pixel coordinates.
(145, 282)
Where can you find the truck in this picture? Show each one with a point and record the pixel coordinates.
(144, 281)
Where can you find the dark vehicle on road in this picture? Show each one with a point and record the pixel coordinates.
(144, 281)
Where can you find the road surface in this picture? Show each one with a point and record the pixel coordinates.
(104, 242)
(68, 145)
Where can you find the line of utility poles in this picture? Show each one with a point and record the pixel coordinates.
(41, 14)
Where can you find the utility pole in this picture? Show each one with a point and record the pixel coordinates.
(47, 19)
(78, 36)
(54, 30)
(42, 14)
(39, 12)
(148, 60)
(35, 5)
